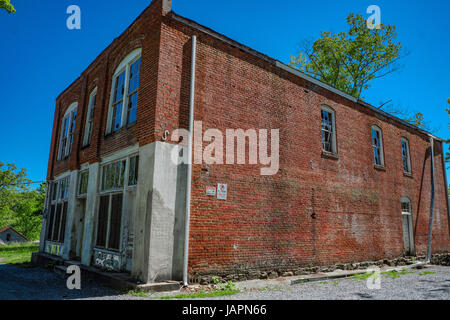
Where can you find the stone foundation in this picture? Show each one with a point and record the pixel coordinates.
(241, 275)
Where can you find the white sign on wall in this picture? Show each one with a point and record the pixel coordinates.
(222, 191)
(211, 191)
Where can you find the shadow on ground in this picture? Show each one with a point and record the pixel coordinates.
(35, 283)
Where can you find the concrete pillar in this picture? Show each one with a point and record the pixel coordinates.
(158, 204)
(90, 214)
(69, 236)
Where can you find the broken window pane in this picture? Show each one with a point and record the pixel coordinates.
(84, 179)
(328, 131)
(133, 172)
(376, 144)
(405, 156)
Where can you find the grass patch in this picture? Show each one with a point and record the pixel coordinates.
(424, 273)
(18, 254)
(202, 294)
(396, 274)
(223, 289)
(137, 293)
(363, 276)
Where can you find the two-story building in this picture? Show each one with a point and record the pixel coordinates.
(352, 183)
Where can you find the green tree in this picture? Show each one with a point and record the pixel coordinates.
(350, 60)
(417, 120)
(28, 212)
(20, 207)
(6, 4)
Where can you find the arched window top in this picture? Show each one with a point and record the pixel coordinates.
(375, 127)
(133, 55)
(406, 206)
(71, 108)
(327, 108)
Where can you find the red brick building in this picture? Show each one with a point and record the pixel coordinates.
(353, 183)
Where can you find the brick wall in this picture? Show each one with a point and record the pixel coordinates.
(316, 209)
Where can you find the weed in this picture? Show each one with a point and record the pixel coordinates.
(363, 276)
(137, 293)
(424, 273)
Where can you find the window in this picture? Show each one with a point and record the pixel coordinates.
(56, 226)
(109, 222)
(406, 206)
(113, 176)
(328, 130)
(377, 145)
(406, 156)
(67, 131)
(83, 183)
(133, 171)
(124, 93)
(90, 118)
(114, 179)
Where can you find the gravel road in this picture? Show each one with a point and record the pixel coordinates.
(41, 284)
(435, 285)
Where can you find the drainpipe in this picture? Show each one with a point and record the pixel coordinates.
(189, 164)
(430, 228)
(444, 170)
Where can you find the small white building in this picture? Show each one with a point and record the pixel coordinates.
(9, 235)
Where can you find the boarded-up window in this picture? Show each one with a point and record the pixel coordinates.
(102, 221)
(115, 222)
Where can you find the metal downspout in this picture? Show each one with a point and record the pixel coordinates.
(430, 228)
(189, 159)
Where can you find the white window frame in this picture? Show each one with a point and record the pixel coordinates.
(403, 139)
(333, 137)
(378, 129)
(62, 154)
(79, 194)
(111, 192)
(125, 65)
(90, 118)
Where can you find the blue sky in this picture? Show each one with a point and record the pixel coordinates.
(40, 57)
